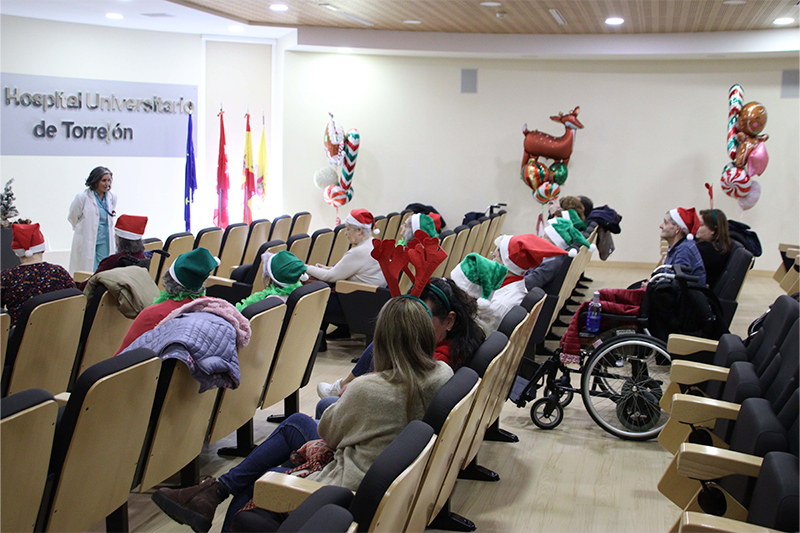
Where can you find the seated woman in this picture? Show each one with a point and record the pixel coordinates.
(479, 278)
(357, 264)
(713, 243)
(458, 335)
(370, 414)
(128, 233)
(417, 221)
(183, 282)
(33, 276)
(283, 273)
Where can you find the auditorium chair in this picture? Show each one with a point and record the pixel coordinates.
(788, 254)
(152, 244)
(281, 228)
(299, 244)
(5, 327)
(491, 235)
(257, 235)
(457, 252)
(380, 225)
(210, 239)
(729, 284)
(549, 312)
(235, 408)
(97, 443)
(301, 222)
(340, 245)
(447, 414)
(469, 246)
(175, 245)
(321, 243)
(392, 226)
(405, 214)
(482, 233)
(361, 304)
(245, 279)
(41, 351)
(446, 240)
(323, 511)
(232, 248)
(26, 440)
(382, 502)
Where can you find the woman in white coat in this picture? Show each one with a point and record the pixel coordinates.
(91, 215)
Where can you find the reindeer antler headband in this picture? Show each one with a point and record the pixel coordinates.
(423, 252)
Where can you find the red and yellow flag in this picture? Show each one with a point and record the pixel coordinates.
(261, 179)
(248, 178)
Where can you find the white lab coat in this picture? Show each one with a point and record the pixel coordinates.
(85, 218)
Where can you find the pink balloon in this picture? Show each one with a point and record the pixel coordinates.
(757, 160)
(747, 202)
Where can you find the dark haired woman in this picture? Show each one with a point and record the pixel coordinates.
(458, 336)
(714, 243)
(91, 215)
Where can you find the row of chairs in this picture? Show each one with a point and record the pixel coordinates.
(134, 421)
(788, 272)
(733, 428)
(409, 485)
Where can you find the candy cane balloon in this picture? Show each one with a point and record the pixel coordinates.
(352, 142)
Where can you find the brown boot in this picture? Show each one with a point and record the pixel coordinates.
(193, 506)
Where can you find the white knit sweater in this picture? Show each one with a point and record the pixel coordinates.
(355, 265)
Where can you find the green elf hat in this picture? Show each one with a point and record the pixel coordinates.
(192, 268)
(564, 234)
(477, 276)
(575, 218)
(423, 222)
(284, 268)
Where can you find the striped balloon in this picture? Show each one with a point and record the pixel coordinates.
(735, 182)
(336, 196)
(352, 142)
(735, 103)
(535, 174)
(546, 192)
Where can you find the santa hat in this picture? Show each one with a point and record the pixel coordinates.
(564, 234)
(424, 223)
(192, 268)
(574, 217)
(28, 240)
(687, 220)
(361, 218)
(284, 268)
(437, 221)
(477, 276)
(130, 227)
(521, 252)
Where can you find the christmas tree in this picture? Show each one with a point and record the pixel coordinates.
(7, 208)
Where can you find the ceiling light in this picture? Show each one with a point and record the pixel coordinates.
(500, 14)
(734, 2)
(329, 6)
(236, 29)
(491, 4)
(614, 21)
(345, 50)
(279, 7)
(783, 21)
(353, 17)
(412, 22)
(559, 17)
(114, 16)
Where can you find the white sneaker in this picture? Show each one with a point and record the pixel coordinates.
(329, 389)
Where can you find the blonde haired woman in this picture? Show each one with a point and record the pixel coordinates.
(371, 412)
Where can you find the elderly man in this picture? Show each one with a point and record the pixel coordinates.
(678, 230)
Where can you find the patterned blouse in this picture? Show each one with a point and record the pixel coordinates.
(23, 282)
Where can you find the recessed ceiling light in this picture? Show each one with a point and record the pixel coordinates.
(491, 4)
(500, 14)
(614, 21)
(235, 29)
(412, 22)
(783, 21)
(556, 14)
(279, 7)
(345, 50)
(114, 16)
(734, 2)
(329, 6)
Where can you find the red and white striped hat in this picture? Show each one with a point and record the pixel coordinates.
(28, 240)
(130, 227)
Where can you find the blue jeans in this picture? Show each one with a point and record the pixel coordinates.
(364, 365)
(324, 404)
(289, 436)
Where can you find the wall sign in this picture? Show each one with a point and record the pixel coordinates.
(46, 115)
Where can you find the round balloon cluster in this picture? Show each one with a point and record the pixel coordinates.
(746, 149)
(336, 179)
(544, 182)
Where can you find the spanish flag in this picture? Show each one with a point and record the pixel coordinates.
(261, 179)
(248, 178)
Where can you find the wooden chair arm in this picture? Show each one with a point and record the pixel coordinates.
(217, 280)
(691, 373)
(686, 344)
(694, 410)
(346, 287)
(700, 462)
(81, 276)
(61, 399)
(784, 247)
(692, 522)
(281, 493)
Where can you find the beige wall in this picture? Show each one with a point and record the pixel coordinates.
(654, 133)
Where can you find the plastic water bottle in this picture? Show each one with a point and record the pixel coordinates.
(593, 318)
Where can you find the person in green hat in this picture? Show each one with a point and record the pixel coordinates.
(183, 282)
(479, 278)
(416, 222)
(283, 273)
(563, 233)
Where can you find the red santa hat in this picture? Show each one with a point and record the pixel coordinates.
(28, 240)
(437, 221)
(521, 252)
(130, 227)
(361, 218)
(687, 219)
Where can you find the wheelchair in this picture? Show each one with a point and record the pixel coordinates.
(625, 369)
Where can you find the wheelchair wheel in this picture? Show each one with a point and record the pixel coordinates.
(546, 413)
(622, 383)
(564, 397)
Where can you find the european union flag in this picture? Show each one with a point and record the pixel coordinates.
(190, 182)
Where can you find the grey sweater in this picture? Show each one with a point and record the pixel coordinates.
(369, 415)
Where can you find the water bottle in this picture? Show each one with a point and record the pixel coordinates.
(593, 318)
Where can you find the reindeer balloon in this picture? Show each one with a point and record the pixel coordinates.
(546, 182)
